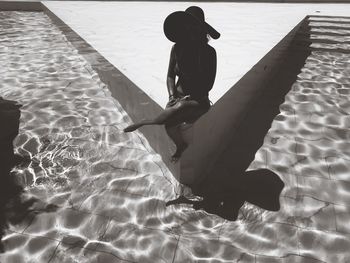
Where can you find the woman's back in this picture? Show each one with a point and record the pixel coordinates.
(196, 68)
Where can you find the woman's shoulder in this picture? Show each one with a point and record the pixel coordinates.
(210, 52)
(210, 49)
(175, 49)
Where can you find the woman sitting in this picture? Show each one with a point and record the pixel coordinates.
(193, 61)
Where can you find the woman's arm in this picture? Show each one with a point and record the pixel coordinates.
(210, 70)
(171, 74)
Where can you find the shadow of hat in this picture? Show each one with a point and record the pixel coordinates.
(175, 25)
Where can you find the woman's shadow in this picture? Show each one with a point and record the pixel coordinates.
(14, 209)
(225, 197)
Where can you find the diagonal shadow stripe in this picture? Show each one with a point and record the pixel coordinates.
(227, 138)
(241, 118)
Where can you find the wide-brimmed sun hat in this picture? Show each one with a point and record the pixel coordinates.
(176, 24)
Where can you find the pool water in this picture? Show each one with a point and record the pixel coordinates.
(106, 190)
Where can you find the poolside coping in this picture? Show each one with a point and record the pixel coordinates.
(21, 6)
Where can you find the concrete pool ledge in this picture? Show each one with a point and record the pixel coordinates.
(21, 6)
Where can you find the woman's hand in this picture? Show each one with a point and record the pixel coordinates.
(172, 101)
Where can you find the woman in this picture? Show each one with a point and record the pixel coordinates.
(194, 62)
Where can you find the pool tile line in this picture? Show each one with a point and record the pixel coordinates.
(54, 252)
(103, 235)
(119, 258)
(236, 251)
(219, 234)
(29, 224)
(120, 231)
(177, 245)
(336, 221)
(285, 259)
(91, 250)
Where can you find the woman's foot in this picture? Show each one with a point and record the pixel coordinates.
(132, 127)
(179, 150)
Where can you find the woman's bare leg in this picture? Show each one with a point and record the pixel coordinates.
(165, 116)
(175, 134)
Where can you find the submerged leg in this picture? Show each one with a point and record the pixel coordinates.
(175, 134)
(189, 115)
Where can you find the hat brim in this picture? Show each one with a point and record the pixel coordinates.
(212, 31)
(176, 24)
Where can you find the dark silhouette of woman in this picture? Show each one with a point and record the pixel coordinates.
(193, 61)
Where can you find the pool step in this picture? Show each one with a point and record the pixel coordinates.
(325, 17)
(345, 22)
(327, 34)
